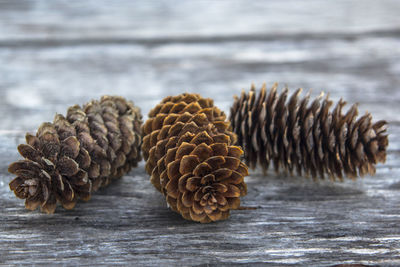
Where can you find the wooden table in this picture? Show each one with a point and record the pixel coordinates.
(57, 53)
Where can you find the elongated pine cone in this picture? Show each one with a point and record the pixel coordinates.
(75, 155)
(310, 138)
(188, 147)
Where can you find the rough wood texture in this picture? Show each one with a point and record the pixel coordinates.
(57, 53)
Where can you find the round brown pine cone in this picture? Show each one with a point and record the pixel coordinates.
(188, 147)
(310, 138)
(77, 154)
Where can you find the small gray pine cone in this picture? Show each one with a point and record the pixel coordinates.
(75, 155)
(188, 147)
(308, 138)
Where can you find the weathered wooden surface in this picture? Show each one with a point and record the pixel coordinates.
(57, 53)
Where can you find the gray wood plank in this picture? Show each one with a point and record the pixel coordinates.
(57, 53)
(26, 19)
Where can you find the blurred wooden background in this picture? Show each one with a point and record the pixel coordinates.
(57, 53)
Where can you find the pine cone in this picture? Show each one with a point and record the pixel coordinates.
(74, 156)
(309, 138)
(187, 145)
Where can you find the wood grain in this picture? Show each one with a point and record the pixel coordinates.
(57, 53)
